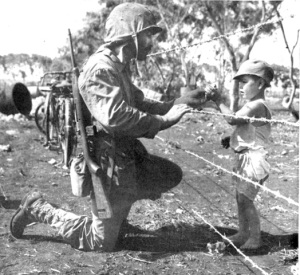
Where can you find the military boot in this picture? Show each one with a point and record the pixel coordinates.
(22, 216)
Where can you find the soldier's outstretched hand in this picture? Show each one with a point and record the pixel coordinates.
(193, 98)
(225, 141)
(212, 93)
(174, 115)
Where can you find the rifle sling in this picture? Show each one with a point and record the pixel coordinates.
(92, 133)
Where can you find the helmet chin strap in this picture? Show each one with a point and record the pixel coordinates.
(136, 42)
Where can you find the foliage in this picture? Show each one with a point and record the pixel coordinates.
(91, 36)
(15, 64)
(184, 23)
(59, 64)
(10, 60)
(282, 78)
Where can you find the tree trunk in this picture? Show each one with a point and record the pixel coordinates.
(234, 91)
(289, 104)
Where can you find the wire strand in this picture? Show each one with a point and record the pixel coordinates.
(251, 119)
(275, 193)
(260, 25)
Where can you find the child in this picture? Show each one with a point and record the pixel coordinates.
(248, 141)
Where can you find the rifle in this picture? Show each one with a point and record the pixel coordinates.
(100, 204)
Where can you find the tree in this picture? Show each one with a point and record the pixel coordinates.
(288, 101)
(23, 75)
(229, 15)
(43, 61)
(186, 22)
(15, 64)
(91, 36)
(59, 64)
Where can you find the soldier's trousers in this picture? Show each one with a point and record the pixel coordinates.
(146, 179)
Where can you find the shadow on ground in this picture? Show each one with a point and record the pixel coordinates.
(196, 238)
(171, 240)
(9, 204)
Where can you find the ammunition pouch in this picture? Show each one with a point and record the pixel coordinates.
(81, 178)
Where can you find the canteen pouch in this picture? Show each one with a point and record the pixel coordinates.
(81, 178)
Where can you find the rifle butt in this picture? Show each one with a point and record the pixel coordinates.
(100, 204)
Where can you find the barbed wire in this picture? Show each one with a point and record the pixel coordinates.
(2, 191)
(275, 193)
(213, 207)
(178, 201)
(280, 208)
(251, 119)
(231, 243)
(259, 25)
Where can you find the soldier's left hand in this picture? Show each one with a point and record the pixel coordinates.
(212, 93)
(193, 98)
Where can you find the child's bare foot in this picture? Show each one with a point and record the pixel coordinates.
(238, 239)
(251, 243)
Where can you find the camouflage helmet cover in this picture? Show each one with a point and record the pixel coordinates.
(128, 19)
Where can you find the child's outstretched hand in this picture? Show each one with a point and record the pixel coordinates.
(212, 93)
(225, 141)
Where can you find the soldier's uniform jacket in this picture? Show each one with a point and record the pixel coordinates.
(113, 100)
(121, 113)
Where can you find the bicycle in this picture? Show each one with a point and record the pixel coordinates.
(55, 117)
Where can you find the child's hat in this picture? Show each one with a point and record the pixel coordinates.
(258, 68)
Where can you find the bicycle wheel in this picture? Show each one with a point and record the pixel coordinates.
(40, 118)
(68, 138)
(52, 122)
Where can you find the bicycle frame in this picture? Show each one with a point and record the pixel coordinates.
(59, 113)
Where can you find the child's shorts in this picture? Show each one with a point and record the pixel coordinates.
(250, 164)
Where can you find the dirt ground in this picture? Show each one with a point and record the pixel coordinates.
(172, 237)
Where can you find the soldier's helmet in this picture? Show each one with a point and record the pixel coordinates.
(127, 20)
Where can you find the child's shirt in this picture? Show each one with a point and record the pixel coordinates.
(249, 136)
